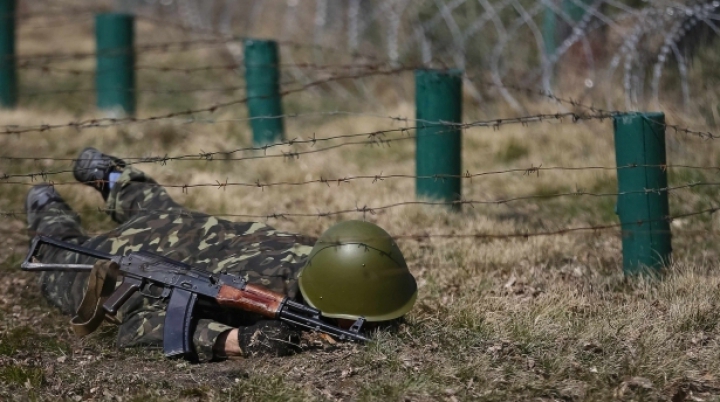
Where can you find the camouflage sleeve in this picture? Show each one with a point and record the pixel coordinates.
(205, 336)
(143, 322)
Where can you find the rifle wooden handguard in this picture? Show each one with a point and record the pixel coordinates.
(252, 298)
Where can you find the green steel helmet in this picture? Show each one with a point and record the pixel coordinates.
(356, 270)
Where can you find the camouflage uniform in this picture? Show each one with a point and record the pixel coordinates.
(150, 220)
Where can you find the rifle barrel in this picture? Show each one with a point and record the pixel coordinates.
(319, 325)
(38, 266)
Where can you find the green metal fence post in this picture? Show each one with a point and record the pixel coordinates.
(438, 101)
(576, 9)
(115, 75)
(642, 183)
(549, 32)
(8, 73)
(262, 75)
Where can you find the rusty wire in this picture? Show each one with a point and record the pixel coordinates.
(375, 138)
(375, 178)
(44, 68)
(426, 235)
(111, 122)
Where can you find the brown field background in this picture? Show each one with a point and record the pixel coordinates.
(538, 318)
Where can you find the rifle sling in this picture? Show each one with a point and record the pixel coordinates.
(101, 284)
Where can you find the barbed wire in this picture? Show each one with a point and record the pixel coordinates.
(558, 232)
(229, 38)
(160, 47)
(200, 69)
(111, 122)
(597, 113)
(530, 91)
(478, 235)
(166, 47)
(148, 90)
(374, 138)
(285, 82)
(143, 90)
(493, 123)
(531, 169)
(676, 128)
(379, 178)
(290, 155)
(318, 67)
(220, 38)
(418, 29)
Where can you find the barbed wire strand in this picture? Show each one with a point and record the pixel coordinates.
(160, 47)
(525, 234)
(374, 138)
(108, 122)
(111, 122)
(44, 68)
(372, 210)
(148, 90)
(530, 171)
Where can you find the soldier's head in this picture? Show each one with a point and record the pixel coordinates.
(357, 270)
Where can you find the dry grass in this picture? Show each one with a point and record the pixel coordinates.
(545, 318)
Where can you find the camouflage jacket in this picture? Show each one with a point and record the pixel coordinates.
(152, 221)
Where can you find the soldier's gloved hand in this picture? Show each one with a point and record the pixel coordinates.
(268, 337)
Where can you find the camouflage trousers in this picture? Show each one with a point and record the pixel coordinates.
(58, 220)
(142, 318)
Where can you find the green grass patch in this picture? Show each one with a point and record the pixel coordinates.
(17, 376)
(16, 339)
(26, 339)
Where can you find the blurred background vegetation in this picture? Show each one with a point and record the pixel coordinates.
(615, 54)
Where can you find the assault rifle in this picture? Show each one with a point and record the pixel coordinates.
(183, 284)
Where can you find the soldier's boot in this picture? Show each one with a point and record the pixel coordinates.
(41, 195)
(38, 198)
(268, 337)
(94, 168)
(48, 214)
